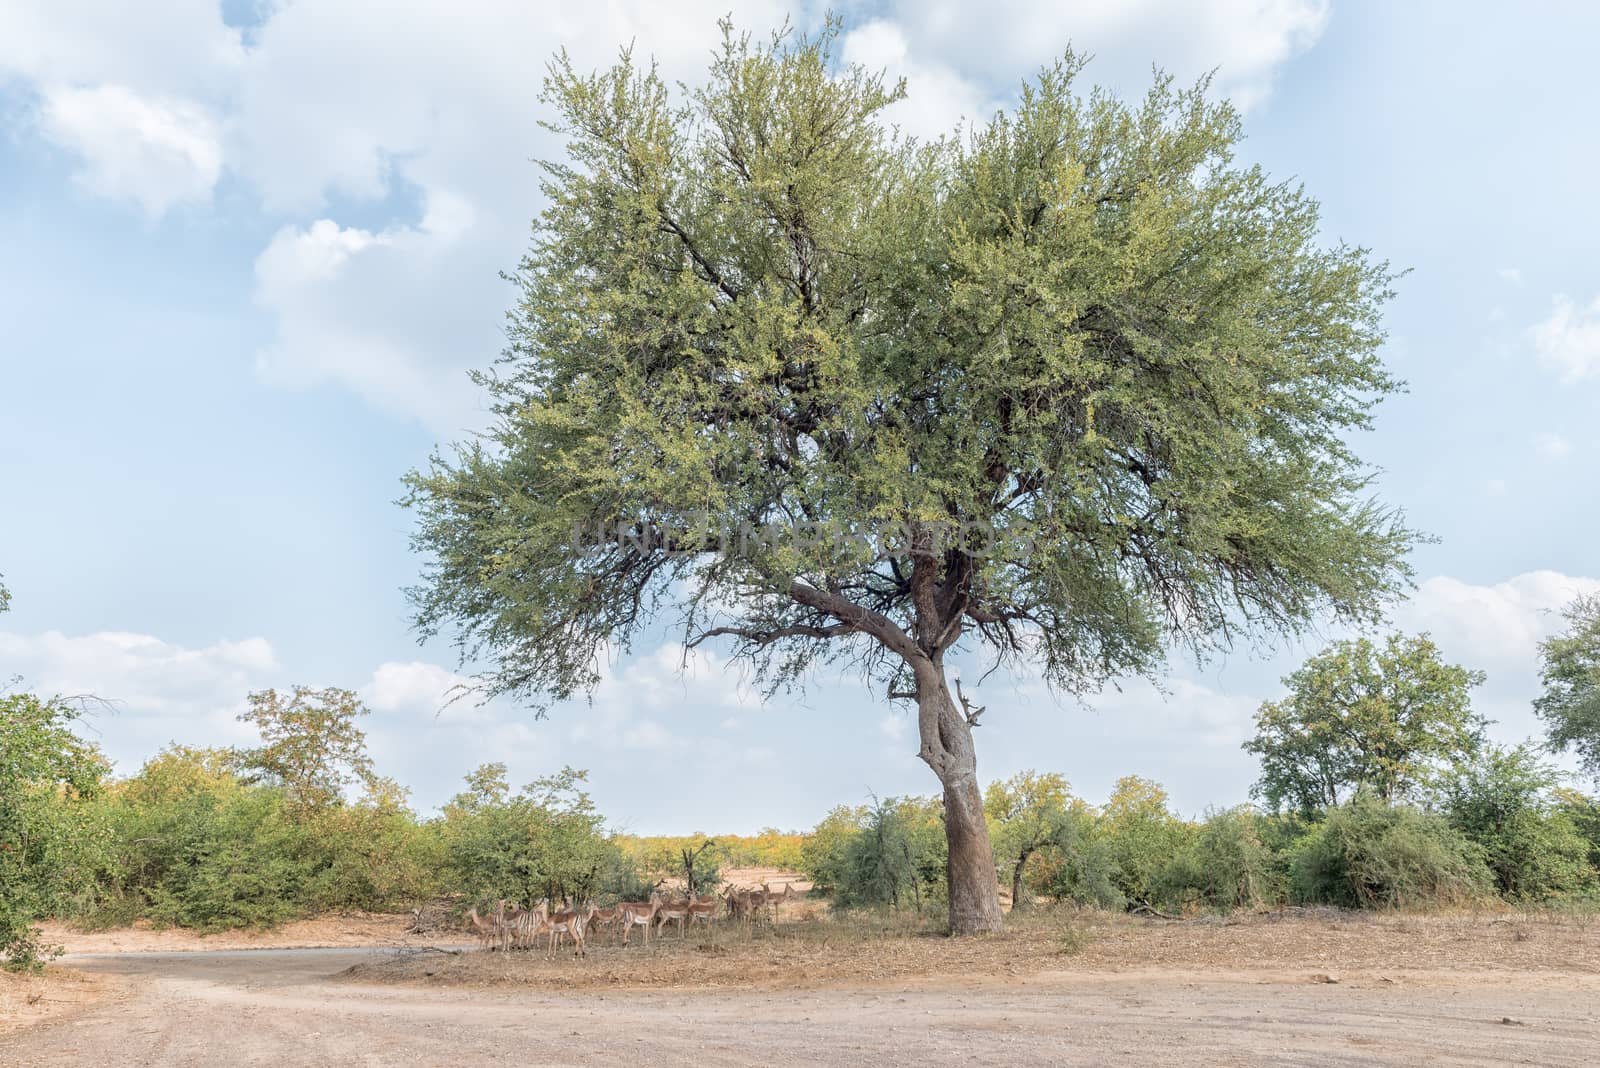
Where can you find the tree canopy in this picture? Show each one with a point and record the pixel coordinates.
(1386, 718)
(1060, 390)
(1570, 704)
(1029, 813)
(311, 744)
(46, 771)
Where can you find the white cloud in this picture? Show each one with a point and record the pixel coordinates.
(373, 312)
(174, 45)
(157, 152)
(1511, 274)
(416, 685)
(1551, 446)
(1000, 43)
(1568, 342)
(132, 90)
(154, 691)
(440, 108)
(1495, 487)
(937, 97)
(1496, 626)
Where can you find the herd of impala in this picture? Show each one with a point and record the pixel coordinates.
(510, 926)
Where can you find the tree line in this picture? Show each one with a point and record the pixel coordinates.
(1378, 788)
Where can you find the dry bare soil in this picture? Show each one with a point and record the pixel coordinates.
(1057, 988)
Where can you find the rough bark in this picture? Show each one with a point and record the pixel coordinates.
(1018, 898)
(947, 749)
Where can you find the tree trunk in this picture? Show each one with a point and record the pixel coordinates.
(1018, 901)
(947, 749)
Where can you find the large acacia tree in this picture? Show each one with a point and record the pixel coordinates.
(1061, 390)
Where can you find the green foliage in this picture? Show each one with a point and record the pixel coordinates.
(1368, 854)
(1061, 390)
(311, 747)
(890, 853)
(1028, 814)
(199, 846)
(1141, 835)
(49, 840)
(823, 857)
(1389, 719)
(1570, 704)
(1081, 868)
(1584, 813)
(1226, 864)
(546, 841)
(1501, 801)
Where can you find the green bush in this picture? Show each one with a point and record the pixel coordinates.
(546, 841)
(897, 858)
(823, 856)
(1584, 814)
(50, 836)
(1141, 837)
(1225, 865)
(196, 846)
(1366, 854)
(1082, 871)
(1501, 801)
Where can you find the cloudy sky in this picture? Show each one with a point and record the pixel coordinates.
(248, 251)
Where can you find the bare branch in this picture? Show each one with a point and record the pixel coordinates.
(972, 713)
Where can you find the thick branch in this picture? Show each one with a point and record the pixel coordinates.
(860, 618)
(760, 637)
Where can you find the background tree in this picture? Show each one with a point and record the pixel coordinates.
(5, 597)
(47, 774)
(1570, 704)
(1059, 391)
(1502, 800)
(1388, 718)
(311, 745)
(545, 841)
(1142, 836)
(1028, 813)
(699, 870)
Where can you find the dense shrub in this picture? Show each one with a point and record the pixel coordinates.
(890, 853)
(546, 841)
(1083, 869)
(197, 846)
(49, 831)
(1141, 836)
(822, 857)
(1366, 854)
(1502, 802)
(1226, 864)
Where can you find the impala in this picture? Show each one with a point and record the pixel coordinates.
(639, 913)
(487, 930)
(776, 899)
(705, 909)
(560, 924)
(673, 910)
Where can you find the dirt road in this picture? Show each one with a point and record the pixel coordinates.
(289, 1007)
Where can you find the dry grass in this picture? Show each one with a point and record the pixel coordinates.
(344, 929)
(819, 950)
(26, 1000)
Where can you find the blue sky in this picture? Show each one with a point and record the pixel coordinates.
(248, 251)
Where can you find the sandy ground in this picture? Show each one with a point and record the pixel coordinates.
(289, 1007)
(29, 1000)
(354, 929)
(1283, 989)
